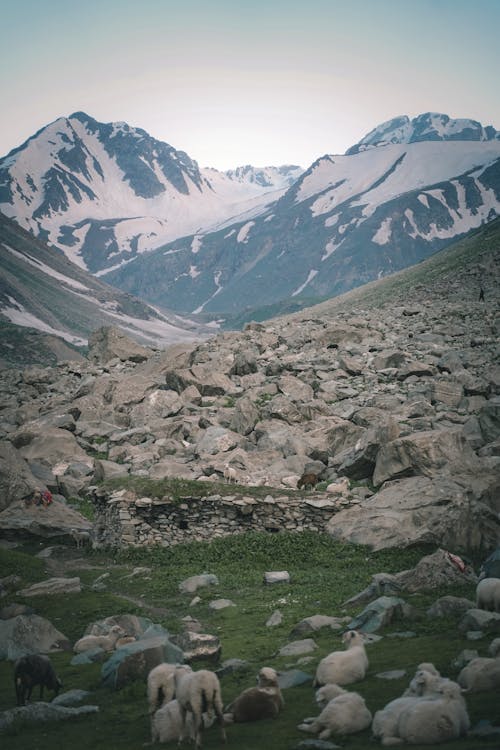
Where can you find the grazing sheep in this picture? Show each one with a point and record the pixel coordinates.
(308, 480)
(488, 594)
(262, 702)
(160, 686)
(80, 537)
(31, 670)
(345, 714)
(429, 722)
(230, 474)
(198, 692)
(480, 674)
(166, 723)
(344, 667)
(106, 642)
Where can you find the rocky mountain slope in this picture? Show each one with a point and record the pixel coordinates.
(105, 192)
(390, 394)
(397, 198)
(49, 306)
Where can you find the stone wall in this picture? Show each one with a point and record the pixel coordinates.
(123, 519)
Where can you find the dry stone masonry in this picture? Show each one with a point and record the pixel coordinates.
(124, 519)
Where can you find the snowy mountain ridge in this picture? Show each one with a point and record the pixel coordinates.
(430, 126)
(106, 192)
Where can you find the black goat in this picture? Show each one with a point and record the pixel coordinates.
(31, 670)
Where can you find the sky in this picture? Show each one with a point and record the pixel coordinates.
(235, 82)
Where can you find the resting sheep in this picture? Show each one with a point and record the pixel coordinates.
(426, 681)
(426, 687)
(325, 693)
(106, 642)
(262, 702)
(488, 594)
(31, 670)
(480, 674)
(160, 686)
(429, 722)
(198, 692)
(344, 667)
(344, 714)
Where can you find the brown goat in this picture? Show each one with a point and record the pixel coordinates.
(308, 480)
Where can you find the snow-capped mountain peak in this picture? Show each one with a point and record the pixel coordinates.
(430, 126)
(105, 192)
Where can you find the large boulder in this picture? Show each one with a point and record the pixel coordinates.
(418, 510)
(16, 479)
(56, 520)
(30, 634)
(108, 343)
(135, 661)
(425, 453)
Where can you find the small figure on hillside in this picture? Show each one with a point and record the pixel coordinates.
(36, 498)
(481, 294)
(46, 498)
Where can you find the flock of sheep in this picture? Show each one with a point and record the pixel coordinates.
(182, 702)
(431, 710)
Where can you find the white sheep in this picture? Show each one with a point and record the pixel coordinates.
(429, 722)
(160, 686)
(480, 674)
(344, 667)
(106, 642)
(424, 685)
(81, 537)
(230, 474)
(262, 702)
(425, 682)
(198, 692)
(488, 594)
(345, 714)
(166, 723)
(325, 693)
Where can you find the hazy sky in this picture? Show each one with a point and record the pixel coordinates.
(235, 82)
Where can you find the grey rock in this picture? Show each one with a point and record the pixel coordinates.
(449, 606)
(276, 576)
(53, 586)
(41, 712)
(379, 613)
(479, 619)
(275, 619)
(293, 678)
(135, 661)
(192, 584)
(296, 648)
(221, 604)
(30, 634)
(108, 343)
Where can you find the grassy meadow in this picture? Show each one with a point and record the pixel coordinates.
(323, 575)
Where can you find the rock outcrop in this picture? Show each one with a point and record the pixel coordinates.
(391, 393)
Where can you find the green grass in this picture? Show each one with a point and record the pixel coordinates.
(323, 575)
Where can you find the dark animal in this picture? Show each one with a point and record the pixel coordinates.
(308, 480)
(31, 670)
